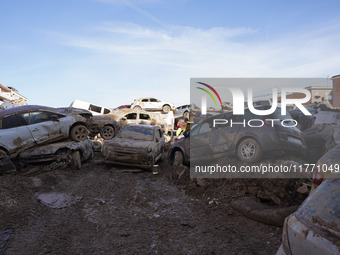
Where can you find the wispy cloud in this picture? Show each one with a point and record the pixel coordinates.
(142, 57)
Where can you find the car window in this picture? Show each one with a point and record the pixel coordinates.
(131, 116)
(153, 100)
(145, 100)
(144, 116)
(13, 121)
(106, 111)
(206, 127)
(41, 116)
(95, 108)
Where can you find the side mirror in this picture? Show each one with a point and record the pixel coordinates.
(186, 134)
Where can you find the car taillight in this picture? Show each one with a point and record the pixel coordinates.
(317, 178)
(176, 139)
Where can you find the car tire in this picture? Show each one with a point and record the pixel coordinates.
(166, 108)
(178, 158)
(137, 108)
(79, 133)
(249, 151)
(107, 132)
(75, 160)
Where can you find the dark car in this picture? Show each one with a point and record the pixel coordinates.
(135, 145)
(27, 126)
(247, 136)
(305, 121)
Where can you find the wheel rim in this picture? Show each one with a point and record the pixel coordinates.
(80, 133)
(248, 150)
(166, 108)
(108, 132)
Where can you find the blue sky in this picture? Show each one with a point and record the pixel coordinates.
(110, 52)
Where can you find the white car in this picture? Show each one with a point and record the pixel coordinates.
(152, 104)
(24, 127)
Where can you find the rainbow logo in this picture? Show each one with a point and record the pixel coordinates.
(209, 93)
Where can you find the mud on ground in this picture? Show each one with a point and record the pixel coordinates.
(104, 209)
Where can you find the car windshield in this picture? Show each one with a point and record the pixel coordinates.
(137, 133)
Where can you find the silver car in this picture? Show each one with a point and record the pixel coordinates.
(27, 126)
(152, 104)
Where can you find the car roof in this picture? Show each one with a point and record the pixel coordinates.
(25, 108)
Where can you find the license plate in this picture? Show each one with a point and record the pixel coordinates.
(292, 139)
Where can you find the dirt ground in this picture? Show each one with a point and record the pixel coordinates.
(105, 209)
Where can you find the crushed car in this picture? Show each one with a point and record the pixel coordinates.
(69, 152)
(315, 227)
(248, 143)
(327, 165)
(27, 126)
(135, 145)
(152, 104)
(108, 125)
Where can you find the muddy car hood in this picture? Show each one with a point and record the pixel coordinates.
(130, 143)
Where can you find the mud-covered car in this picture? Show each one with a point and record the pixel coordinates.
(315, 227)
(217, 137)
(69, 152)
(27, 126)
(135, 145)
(109, 125)
(152, 104)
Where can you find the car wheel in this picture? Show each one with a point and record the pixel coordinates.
(75, 160)
(166, 108)
(79, 133)
(249, 150)
(137, 107)
(178, 158)
(107, 132)
(3, 154)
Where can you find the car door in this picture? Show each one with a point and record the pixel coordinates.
(159, 139)
(223, 136)
(145, 104)
(144, 119)
(200, 139)
(131, 118)
(44, 129)
(14, 134)
(155, 104)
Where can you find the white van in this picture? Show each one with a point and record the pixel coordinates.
(95, 109)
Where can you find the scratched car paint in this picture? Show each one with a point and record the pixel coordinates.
(27, 126)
